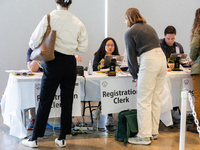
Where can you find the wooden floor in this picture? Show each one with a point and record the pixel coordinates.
(168, 139)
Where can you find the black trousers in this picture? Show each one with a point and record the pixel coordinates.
(60, 71)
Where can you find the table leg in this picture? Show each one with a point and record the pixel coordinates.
(24, 117)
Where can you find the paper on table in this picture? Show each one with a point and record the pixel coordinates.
(18, 71)
(104, 70)
(123, 74)
(188, 70)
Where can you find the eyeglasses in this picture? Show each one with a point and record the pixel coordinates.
(108, 45)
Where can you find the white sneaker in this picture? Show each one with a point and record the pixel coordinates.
(60, 143)
(140, 141)
(28, 143)
(96, 114)
(154, 137)
(109, 121)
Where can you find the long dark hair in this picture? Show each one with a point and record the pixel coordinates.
(196, 23)
(63, 4)
(102, 50)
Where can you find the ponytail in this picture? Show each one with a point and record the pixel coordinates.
(64, 3)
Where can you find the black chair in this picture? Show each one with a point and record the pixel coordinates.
(90, 109)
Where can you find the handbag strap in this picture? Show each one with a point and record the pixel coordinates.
(48, 20)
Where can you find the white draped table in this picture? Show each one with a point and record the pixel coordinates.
(19, 95)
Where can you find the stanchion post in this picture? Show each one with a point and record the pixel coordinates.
(184, 98)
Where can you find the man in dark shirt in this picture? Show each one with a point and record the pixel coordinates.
(168, 43)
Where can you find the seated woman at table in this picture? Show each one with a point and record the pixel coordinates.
(107, 47)
(37, 66)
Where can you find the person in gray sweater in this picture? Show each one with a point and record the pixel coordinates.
(142, 41)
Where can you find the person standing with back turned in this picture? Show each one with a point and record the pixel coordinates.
(71, 36)
(142, 40)
(195, 70)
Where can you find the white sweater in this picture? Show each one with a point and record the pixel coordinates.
(71, 34)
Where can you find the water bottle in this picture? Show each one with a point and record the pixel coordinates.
(90, 69)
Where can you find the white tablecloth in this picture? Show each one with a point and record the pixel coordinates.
(19, 95)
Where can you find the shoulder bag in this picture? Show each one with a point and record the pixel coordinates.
(45, 51)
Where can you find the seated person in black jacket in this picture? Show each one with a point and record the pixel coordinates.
(107, 47)
(168, 43)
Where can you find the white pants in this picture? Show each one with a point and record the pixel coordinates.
(151, 79)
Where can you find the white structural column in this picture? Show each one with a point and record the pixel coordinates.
(106, 18)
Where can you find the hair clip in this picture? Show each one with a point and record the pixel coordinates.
(66, 1)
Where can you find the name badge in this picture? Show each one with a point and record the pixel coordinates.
(177, 50)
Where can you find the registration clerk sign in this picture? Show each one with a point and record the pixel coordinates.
(118, 94)
(56, 104)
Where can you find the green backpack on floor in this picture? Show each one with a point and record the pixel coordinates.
(127, 125)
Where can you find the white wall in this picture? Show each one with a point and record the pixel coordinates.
(91, 13)
(158, 13)
(20, 17)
